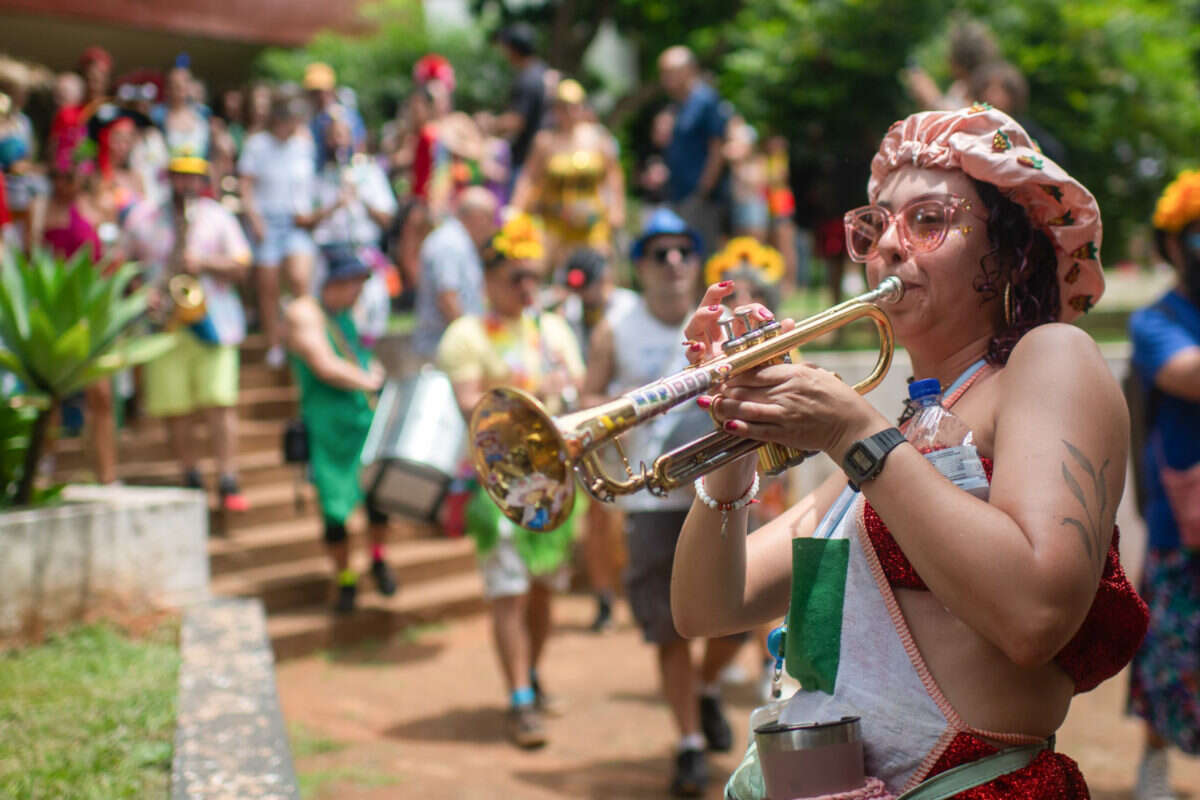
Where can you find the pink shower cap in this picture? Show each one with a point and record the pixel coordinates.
(990, 146)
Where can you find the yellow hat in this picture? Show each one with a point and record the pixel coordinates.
(570, 92)
(319, 76)
(188, 164)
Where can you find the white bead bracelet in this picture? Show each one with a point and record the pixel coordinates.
(746, 499)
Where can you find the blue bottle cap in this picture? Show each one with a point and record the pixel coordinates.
(775, 642)
(924, 388)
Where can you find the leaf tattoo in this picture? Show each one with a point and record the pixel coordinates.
(1090, 528)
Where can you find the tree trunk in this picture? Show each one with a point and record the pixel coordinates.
(33, 455)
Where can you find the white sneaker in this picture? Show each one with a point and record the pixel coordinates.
(276, 357)
(1153, 781)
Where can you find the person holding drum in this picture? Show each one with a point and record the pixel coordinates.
(513, 345)
(957, 628)
(338, 381)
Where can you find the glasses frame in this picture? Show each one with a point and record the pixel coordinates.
(951, 203)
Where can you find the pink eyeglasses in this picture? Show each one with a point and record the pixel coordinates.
(922, 224)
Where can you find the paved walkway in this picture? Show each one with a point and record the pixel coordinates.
(422, 716)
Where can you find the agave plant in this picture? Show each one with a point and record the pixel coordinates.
(63, 325)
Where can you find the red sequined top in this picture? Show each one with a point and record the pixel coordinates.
(1104, 643)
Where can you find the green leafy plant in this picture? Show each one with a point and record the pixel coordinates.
(64, 323)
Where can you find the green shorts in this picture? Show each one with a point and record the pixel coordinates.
(191, 376)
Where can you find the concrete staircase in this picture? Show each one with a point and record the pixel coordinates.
(274, 551)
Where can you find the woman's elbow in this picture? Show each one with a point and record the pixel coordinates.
(1038, 638)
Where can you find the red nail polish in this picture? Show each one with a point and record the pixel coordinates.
(695, 347)
(725, 284)
(714, 308)
(704, 401)
(764, 314)
(731, 426)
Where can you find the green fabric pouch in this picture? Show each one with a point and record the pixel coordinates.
(542, 552)
(813, 643)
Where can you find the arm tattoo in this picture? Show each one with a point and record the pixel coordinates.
(1090, 528)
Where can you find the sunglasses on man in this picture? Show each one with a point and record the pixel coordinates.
(662, 255)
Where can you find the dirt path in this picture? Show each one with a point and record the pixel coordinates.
(421, 716)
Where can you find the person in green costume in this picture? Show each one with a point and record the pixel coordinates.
(511, 345)
(338, 381)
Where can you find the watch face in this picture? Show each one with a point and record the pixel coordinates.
(860, 459)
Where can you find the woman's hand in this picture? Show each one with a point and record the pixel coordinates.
(796, 405)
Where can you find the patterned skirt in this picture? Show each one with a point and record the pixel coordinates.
(1165, 675)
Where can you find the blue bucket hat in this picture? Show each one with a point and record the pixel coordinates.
(664, 222)
(343, 262)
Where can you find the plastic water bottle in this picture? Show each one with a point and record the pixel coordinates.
(945, 439)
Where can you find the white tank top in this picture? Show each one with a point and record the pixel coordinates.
(646, 349)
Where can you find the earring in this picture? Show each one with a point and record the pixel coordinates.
(1008, 310)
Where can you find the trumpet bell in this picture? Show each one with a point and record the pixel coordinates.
(187, 296)
(520, 456)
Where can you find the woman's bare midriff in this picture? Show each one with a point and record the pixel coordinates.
(988, 691)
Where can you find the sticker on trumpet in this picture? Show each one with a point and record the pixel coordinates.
(663, 395)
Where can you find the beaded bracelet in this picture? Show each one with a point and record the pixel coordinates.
(746, 499)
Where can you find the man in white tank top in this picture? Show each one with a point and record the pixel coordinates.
(638, 345)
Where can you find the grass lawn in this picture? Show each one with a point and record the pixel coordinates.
(89, 714)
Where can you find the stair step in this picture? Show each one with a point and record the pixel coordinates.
(301, 631)
(147, 441)
(268, 402)
(270, 503)
(259, 375)
(307, 581)
(296, 539)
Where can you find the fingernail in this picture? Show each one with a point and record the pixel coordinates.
(704, 401)
(695, 347)
(764, 314)
(725, 284)
(714, 308)
(731, 426)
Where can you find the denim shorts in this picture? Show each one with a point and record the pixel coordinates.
(282, 237)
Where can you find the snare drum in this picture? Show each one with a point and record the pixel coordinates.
(415, 443)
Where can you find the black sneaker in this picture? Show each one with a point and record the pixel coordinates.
(346, 596)
(716, 728)
(691, 774)
(385, 581)
(193, 480)
(603, 620)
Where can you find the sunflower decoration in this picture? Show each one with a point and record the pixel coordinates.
(519, 239)
(745, 257)
(1180, 203)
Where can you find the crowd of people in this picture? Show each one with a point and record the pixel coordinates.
(507, 231)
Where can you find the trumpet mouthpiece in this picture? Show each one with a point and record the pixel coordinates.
(890, 289)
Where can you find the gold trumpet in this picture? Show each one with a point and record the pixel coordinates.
(525, 458)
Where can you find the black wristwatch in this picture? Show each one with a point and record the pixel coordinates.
(864, 460)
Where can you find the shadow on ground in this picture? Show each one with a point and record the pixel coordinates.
(477, 725)
(645, 778)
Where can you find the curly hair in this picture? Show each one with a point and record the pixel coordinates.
(1023, 260)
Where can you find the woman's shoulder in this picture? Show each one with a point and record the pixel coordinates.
(1058, 357)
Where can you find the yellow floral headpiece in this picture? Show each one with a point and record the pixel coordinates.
(519, 239)
(1180, 202)
(745, 252)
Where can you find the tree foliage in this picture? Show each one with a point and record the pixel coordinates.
(1116, 81)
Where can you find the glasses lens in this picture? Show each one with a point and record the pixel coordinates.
(925, 224)
(864, 229)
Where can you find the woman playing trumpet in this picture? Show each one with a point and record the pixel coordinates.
(965, 626)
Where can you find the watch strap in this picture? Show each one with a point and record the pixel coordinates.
(864, 460)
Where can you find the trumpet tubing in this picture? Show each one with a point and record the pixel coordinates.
(525, 458)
